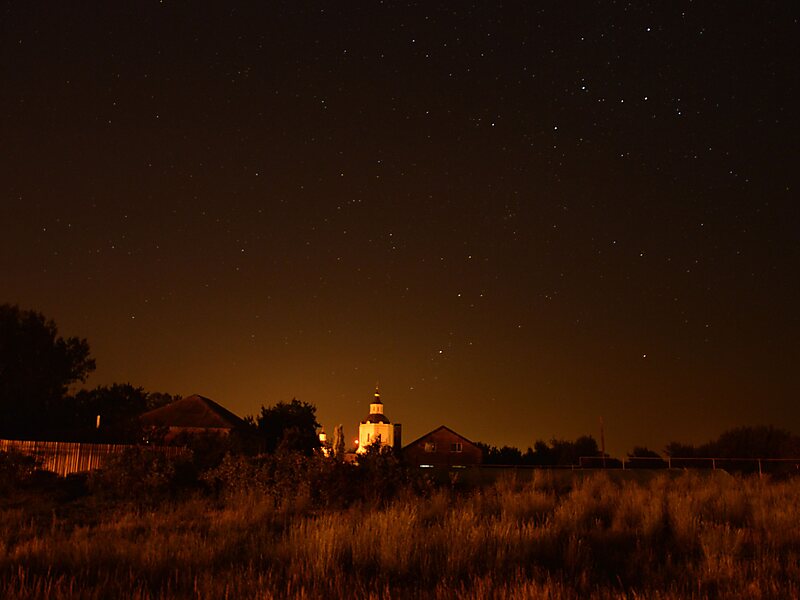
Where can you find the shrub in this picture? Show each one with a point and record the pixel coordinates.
(15, 469)
(143, 474)
(320, 482)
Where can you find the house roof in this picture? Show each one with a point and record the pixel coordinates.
(419, 439)
(192, 411)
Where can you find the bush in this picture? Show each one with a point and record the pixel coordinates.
(315, 480)
(143, 474)
(16, 469)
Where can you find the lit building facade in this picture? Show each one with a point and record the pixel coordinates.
(377, 428)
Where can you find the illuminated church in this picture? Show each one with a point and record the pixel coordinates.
(376, 428)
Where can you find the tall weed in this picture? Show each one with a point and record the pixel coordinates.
(597, 537)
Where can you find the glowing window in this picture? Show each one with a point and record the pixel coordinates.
(430, 446)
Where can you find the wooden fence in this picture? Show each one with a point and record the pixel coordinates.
(64, 458)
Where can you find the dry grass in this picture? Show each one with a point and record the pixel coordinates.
(690, 536)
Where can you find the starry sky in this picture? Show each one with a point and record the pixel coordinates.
(518, 217)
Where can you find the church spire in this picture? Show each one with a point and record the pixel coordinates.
(376, 406)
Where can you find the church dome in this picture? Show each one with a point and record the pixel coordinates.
(376, 418)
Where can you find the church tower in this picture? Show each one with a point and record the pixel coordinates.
(376, 427)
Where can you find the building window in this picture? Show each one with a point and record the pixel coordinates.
(367, 437)
(430, 446)
(455, 447)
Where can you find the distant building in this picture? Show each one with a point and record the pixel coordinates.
(442, 447)
(324, 447)
(192, 415)
(377, 428)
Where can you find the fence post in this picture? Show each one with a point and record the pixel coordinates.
(713, 464)
(669, 462)
(759, 468)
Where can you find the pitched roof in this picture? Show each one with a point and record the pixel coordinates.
(422, 437)
(192, 411)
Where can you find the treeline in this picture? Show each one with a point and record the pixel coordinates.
(557, 452)
(763, 441)
(760, 441)
(39, 369)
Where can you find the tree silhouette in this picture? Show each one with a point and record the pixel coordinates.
(642, 457)
(289, 427)
(36, 369)
(338, 442)
(507, 455)
(159, 399)
(118, 407)
(761, 441)
(558, 452)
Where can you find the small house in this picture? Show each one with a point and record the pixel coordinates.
(193, 415)
(442, 447)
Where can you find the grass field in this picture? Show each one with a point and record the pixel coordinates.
(558, 536)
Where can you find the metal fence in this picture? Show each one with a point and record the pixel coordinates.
(64, 458)
(753, 465)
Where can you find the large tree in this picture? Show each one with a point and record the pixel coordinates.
(110, 413)
(37, 366)
(289, 427)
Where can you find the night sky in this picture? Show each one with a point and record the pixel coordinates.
(517, 217)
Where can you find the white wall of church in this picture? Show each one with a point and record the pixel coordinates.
(368, 433)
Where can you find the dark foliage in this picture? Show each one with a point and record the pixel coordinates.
(15, 469)
(569, 453)
(679, 450)
(143, 475)
(158, 399)
(644, 458)
(557, 453)
(762, 441)
(36, 369)
(377, 478)
(507, 455)
(209, 449)
(288, 427)
(118, 406)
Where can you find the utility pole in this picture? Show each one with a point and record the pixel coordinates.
(602, 442)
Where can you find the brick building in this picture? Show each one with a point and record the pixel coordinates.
(442, 447)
